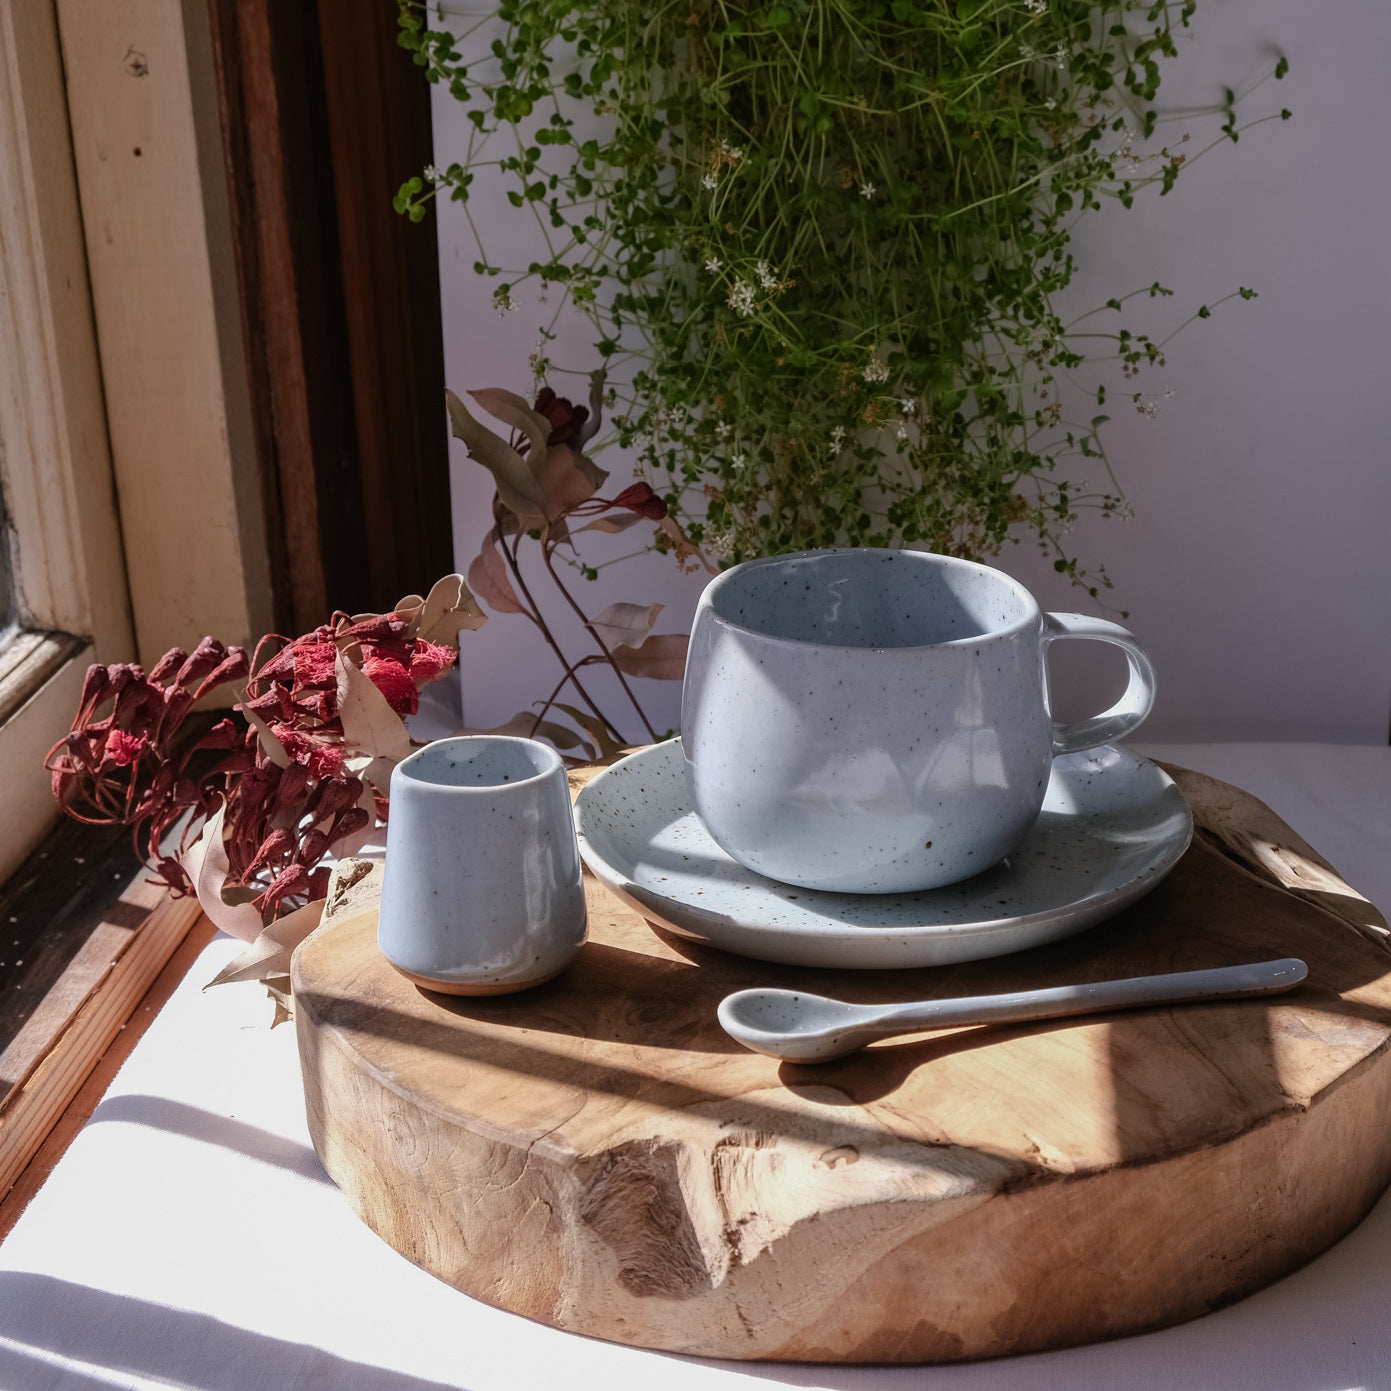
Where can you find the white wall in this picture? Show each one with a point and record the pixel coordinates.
(1256, 568)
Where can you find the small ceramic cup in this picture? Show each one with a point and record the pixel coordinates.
(482, 892)
(876, 721)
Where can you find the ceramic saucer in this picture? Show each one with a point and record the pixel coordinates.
(1113, 824)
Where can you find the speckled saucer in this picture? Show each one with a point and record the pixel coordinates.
(1113, 824)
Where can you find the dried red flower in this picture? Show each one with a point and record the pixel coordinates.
(123, 749)
(283, 807)
(564, 417)
(640, 498)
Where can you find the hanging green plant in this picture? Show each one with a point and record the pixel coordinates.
(828, 236)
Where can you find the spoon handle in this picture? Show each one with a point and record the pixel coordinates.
(1220, 983)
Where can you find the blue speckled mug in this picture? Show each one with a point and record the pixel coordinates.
(876, 721)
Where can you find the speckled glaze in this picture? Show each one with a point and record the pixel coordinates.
(482, 891)
(800, 1027)
(876, 721)
(1112, 826)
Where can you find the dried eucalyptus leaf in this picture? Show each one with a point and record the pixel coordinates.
(595, 728)
(626, 625)
(370, 725)
(206, 864)
(488, 576)
(408, 608)
(513, 410)
(448, 609)
(280, 993)
(270, 745)
(269, 955)
(516, 485)
(660, 658)
(568, 479)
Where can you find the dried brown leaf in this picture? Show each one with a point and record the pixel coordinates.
(206, 864)
(489, 578)
(516, 484)
(370, 725)
(269, 955)
(513, 411)
(661, 658)
(278, 988)
(626, 625)
(568, 479)
(407, 607)
(270, 745)
(445, 612)
(595, 728)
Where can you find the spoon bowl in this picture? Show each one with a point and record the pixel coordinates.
(797, 1026)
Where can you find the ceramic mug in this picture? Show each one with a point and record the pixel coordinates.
(876, 721)
(482, 892)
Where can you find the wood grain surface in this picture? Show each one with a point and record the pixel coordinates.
(596, 1154)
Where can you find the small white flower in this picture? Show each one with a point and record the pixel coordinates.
(837, 441)
(719, 544)
(1061, 56)
(1036, 6)
(503, 301)
(868, 190)
(766, 278)
(907, 407)
(709, 181)
(1028, 53)
(1050, 105)
(741, 298)
(433, 174)
(876, 371)
(730, 152)
(713, 265)
(739, 460)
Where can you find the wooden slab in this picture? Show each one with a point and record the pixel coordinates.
(597, 1155)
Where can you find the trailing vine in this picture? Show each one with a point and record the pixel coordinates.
(821, 242)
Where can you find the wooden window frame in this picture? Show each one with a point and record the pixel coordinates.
(222, 407)
(158, 347)
(65, 541)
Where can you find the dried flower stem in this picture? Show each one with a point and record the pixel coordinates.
(603, 647)
(544, 628)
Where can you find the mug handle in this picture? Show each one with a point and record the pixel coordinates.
(1136, 702)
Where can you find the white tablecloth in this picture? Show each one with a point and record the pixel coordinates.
(190, 1237)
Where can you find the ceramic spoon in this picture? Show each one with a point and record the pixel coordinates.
(802, 1028)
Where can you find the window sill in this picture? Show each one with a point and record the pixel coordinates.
(82, 942)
